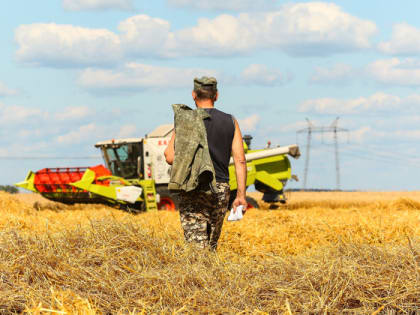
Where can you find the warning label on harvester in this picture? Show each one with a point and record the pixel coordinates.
(129, 193)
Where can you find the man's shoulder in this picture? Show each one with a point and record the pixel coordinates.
(221, 118)
(221, 113)
(177, 107)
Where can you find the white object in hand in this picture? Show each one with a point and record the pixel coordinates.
(236, 215)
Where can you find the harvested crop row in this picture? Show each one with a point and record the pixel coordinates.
(94, 259)
(120, 267)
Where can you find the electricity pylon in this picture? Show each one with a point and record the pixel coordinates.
(333, 128)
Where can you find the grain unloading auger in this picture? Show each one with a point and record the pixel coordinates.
(136, 175)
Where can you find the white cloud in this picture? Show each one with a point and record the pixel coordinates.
(235, 5)
(291, 127)
(395, 71)
(142, 35)
(376, 102)
(5, 91)
(14, 114)
(361, 134)
(249, 123)
(92, 132)
(301, 29)
(262, 75)
(129, 130)
(31, 131)
(392, 71)
(298, 29)
(134, 76)
(405, 40)
(19, 149)
(80, 5)
(82, 134)
(66, 45)
(337, 74)
(73, 112)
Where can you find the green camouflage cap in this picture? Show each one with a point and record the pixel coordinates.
(206, 82)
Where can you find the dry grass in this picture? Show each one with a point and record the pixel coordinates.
(334, 253)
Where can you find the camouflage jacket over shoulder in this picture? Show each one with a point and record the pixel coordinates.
(192, 166)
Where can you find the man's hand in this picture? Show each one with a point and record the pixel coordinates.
(240, 201)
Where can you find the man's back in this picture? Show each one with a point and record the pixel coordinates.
(220, 131)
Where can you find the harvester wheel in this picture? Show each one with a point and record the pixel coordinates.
(167, 201)
(252, 203)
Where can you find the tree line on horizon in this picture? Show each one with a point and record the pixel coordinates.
(9, 189)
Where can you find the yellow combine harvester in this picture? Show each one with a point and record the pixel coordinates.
(136, 175)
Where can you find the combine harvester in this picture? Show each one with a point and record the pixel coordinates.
(136, 175)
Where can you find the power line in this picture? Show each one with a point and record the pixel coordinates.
(390, 154)
(333, 128)
(378, 151)
(381, 157)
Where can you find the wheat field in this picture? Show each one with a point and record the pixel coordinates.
(322, 253)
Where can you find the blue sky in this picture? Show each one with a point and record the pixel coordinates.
(74, 72)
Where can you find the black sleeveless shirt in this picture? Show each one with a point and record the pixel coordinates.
(220, 131)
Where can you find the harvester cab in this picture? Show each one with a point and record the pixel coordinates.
(122, 156)
(139, 158)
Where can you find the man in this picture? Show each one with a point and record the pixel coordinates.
(202, 211)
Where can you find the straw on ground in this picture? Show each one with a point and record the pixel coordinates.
(355, 253)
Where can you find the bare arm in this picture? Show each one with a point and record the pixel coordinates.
(170, 150)
(240, 167)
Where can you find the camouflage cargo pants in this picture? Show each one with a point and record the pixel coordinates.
(202, 214)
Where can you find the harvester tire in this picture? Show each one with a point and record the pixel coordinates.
(167, 200)
(252, 203)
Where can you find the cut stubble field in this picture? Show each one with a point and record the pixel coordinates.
(324, 252)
